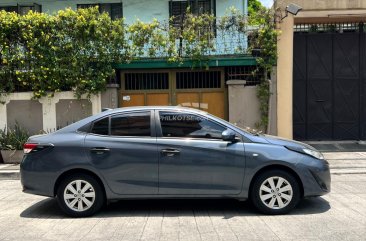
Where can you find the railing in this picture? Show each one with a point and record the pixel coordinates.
(224, 41)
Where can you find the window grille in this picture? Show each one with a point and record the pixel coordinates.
(327, 28)
(22, 9)
(178, 9)
(146, 81)
(247, 73)
(113, 9)
(198, 80)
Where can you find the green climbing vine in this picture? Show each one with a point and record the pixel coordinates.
(264, 39)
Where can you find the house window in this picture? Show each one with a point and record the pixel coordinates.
(9, 8)
(113, 9)
(178, 8)
(22, 9)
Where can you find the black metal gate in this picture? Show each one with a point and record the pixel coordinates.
(328, 84)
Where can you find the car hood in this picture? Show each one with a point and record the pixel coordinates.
(286, 142)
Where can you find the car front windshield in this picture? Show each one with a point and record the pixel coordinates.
(247, 129)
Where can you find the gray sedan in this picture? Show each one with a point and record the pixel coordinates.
(169, 152)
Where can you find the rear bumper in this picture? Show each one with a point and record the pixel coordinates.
(34, 187)
(36, 182)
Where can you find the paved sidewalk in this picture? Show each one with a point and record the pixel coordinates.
(338, 216)
(340, 163)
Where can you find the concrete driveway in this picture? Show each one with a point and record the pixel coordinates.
(341, 215)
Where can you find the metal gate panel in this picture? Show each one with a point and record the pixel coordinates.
(299, 86)
(319, 86)
(201, 89)
(329, 86)
(363, 86)
(346, 52)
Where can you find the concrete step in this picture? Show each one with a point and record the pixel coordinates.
(345, 156)
(9, 174)
(348, 171)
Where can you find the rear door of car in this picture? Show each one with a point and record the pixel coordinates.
(123, 147)
(193, 158)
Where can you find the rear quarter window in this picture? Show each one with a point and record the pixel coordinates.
(101, 127)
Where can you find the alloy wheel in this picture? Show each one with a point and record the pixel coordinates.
(79, 195)
(276, 192)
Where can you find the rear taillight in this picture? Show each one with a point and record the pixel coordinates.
(28, 147)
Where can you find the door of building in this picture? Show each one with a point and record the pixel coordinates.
(328, 84)
(199, 89)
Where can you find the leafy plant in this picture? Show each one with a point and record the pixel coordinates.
(255, 7)
(71, 50)
(75, 50)
(13, 138)
(266, 35)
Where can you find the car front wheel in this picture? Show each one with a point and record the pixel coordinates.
(275, 192)
(80, 195)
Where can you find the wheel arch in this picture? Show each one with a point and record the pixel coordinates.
(277, 167)
(78, 171)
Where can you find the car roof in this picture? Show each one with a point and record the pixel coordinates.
(175, 108)
(79, 124)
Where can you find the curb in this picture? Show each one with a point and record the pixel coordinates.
(9, 175)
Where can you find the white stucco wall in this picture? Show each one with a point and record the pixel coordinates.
(48, 106)
(243, 104)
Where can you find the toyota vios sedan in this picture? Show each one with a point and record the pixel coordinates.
(169, 152)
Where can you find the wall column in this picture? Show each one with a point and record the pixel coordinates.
(109, 97)
(284, 78)
(96, 104)
(243, 104)
(3, 115)
(49, 113)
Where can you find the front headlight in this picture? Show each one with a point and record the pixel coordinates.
(306, 151)
(313, 153)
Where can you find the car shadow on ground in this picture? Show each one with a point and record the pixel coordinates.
(48, 208)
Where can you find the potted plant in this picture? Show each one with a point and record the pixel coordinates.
(11, 143)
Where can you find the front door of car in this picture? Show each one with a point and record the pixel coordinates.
(123, 148)
(193, 158)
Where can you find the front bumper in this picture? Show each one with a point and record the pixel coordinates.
(316, 178)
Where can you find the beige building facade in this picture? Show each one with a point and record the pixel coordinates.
(308, 35)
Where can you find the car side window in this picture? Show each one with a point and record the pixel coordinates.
(101, 126)
(136, 124)
(189, 125)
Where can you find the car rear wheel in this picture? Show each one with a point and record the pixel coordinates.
(275, 192)
(80, 195)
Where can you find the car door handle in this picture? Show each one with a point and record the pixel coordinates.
(99, 150)
(170, 152)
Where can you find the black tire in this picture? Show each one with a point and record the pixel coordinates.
(276, 210)
(98, 200)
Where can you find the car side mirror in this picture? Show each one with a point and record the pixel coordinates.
(228, 135)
